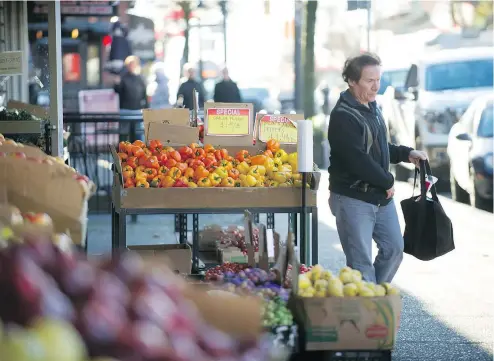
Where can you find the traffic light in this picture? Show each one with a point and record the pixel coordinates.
(358, 4)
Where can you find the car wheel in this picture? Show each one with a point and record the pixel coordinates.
(457, 193)
(476, 199)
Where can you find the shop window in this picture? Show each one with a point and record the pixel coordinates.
(71, 67)
(93, 66)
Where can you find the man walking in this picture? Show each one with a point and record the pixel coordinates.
(226, 91)
(361, 186)
(186, 89)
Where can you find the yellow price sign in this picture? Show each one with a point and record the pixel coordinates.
(227, 121)
(279, 128)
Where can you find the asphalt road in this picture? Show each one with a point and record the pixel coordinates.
(448, 310)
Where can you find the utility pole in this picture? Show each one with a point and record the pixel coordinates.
(224, 12)
(369, 24)
(299, 84)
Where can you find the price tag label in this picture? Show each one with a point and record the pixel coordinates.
(279, 128)
(228, 121)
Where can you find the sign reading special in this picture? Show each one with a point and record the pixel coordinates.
(228, 121)
(278, 127)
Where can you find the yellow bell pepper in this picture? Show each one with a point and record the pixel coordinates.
(273, 183)
(284, 185)
(282, 155)
(192, 185)
(249, 181)
(260, 183)
(271, 172)
(215, 179)
(278, 163)
(222, 172)
(279, 177)
(286, 168)
(242, 177)
(257, 170)
(243, 167)
(269, 164)
(296, 176)
(293, 159)
(298, 183)
(238, 183)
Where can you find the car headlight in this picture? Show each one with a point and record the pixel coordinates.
(489, 161)
(438, 122)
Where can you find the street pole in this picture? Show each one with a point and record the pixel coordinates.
(224, 12)
(299, 84)
(369, 22)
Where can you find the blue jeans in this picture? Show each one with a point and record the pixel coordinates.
(359, 222)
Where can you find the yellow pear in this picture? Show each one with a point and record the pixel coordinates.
(326, 275)
(380, 291)
(350, 290)
(356, 275)
(304, 282)
(367, 292)
(335, 288)
(321, 285)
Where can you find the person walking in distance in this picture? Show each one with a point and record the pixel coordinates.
(361, 185)
(226, 91)
(186, 88)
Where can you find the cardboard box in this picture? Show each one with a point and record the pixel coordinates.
(178, 257)
(209, 237)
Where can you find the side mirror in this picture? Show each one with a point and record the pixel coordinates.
(399, 94)
(464, 136)
(414, 93)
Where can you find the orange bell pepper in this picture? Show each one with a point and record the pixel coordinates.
(123, 146)
(208, 148)
(155, 145)
(132, 162)
(233, 173)
(273, 145)
(142, 160)
(128, 174)
(242, 155)
(139, 143)
(152, 162)
(258, 159)
(129, 183)
(182, 167)
(220, 154)
(201, 172)
(199, 153)
(189, 174)
(123, 156)
(151, 173)
(163, 170)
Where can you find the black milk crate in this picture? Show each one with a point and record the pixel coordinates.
(384, 355)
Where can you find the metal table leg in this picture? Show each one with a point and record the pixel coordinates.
(195, 243)
(182, 234)
(293, 222)
(122, 230)
(256, 218)
(315, 237)
(114, 228)
(270, 221)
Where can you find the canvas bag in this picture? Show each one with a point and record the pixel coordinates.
(428, 230)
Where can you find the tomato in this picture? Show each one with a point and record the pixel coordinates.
(182, 167)
(233, 173)
(200, 172)
(174, 155)
(152, 162)
(242, 155)
(273, 145)
(132, 162)
(199, 153)
(208, 148)
(186, 153)
(171, 163)
(139, 143)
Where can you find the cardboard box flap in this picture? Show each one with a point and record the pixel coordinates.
(35, 110)
(177, 256)
(171, 134)
(170, 116)
(228, 124)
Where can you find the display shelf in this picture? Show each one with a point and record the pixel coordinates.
(8, 127)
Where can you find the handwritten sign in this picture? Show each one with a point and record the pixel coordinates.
(11, 63)
(227, 121)
(277, 127)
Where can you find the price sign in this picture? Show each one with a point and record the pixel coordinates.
(277, 127)
(228, 121)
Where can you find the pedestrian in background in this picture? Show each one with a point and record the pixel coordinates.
(361, 185)
(226, 91)
(186, 88)
(158, 91)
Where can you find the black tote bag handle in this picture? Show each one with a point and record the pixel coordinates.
(424, 169)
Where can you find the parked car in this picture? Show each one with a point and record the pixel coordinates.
(470, 148)
(436, 93)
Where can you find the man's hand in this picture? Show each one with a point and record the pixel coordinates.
(416, 156)
(390, 193)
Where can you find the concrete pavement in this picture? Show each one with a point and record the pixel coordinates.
(448, 310)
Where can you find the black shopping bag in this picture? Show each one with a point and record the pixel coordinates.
(428, 230)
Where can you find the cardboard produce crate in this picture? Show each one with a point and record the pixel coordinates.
(178, 257)
(173, 129)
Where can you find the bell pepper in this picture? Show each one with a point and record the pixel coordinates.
(215, 179)
(286, 168)
(278, 162)
(238, 183)
(142, 184)
(192, 185)
(273, 145)
(293, 159)
(208, 162)
(189, 174)
(163, 170)
(174, 173)
(208, 148)
(296, 176)
(155, 145)
(258, 159)
(127, 168)
(129, 183)
(123, 146)
(233, 173)
(199, 153)
(201, 172)
(132, 162)
(167, 182)
(142, 160)
(221, 154)
(282, 155)
(170, 163)
(225, 164)
(273, 183)
(243, 168)
(139, 143)
(260, 183)
(128, 174)
(268, 153)
(298, 183)
(269, 164)
(242, 155)
(193, 145)
(147, 152)
(140, 174)
(152, 162)
(257, 170)
(222, 172)
(227, 182)
(136, 151)
(195, 164)
(175, 155)
(179, 183)
(249, 181)
(168, 149)
(204, 182)
(235, 163)
(279, 177)
(155, 182)
(162, 157)
(151, 173)
(123, 156)
(284, 185)
(186, 153)
(182, 167)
